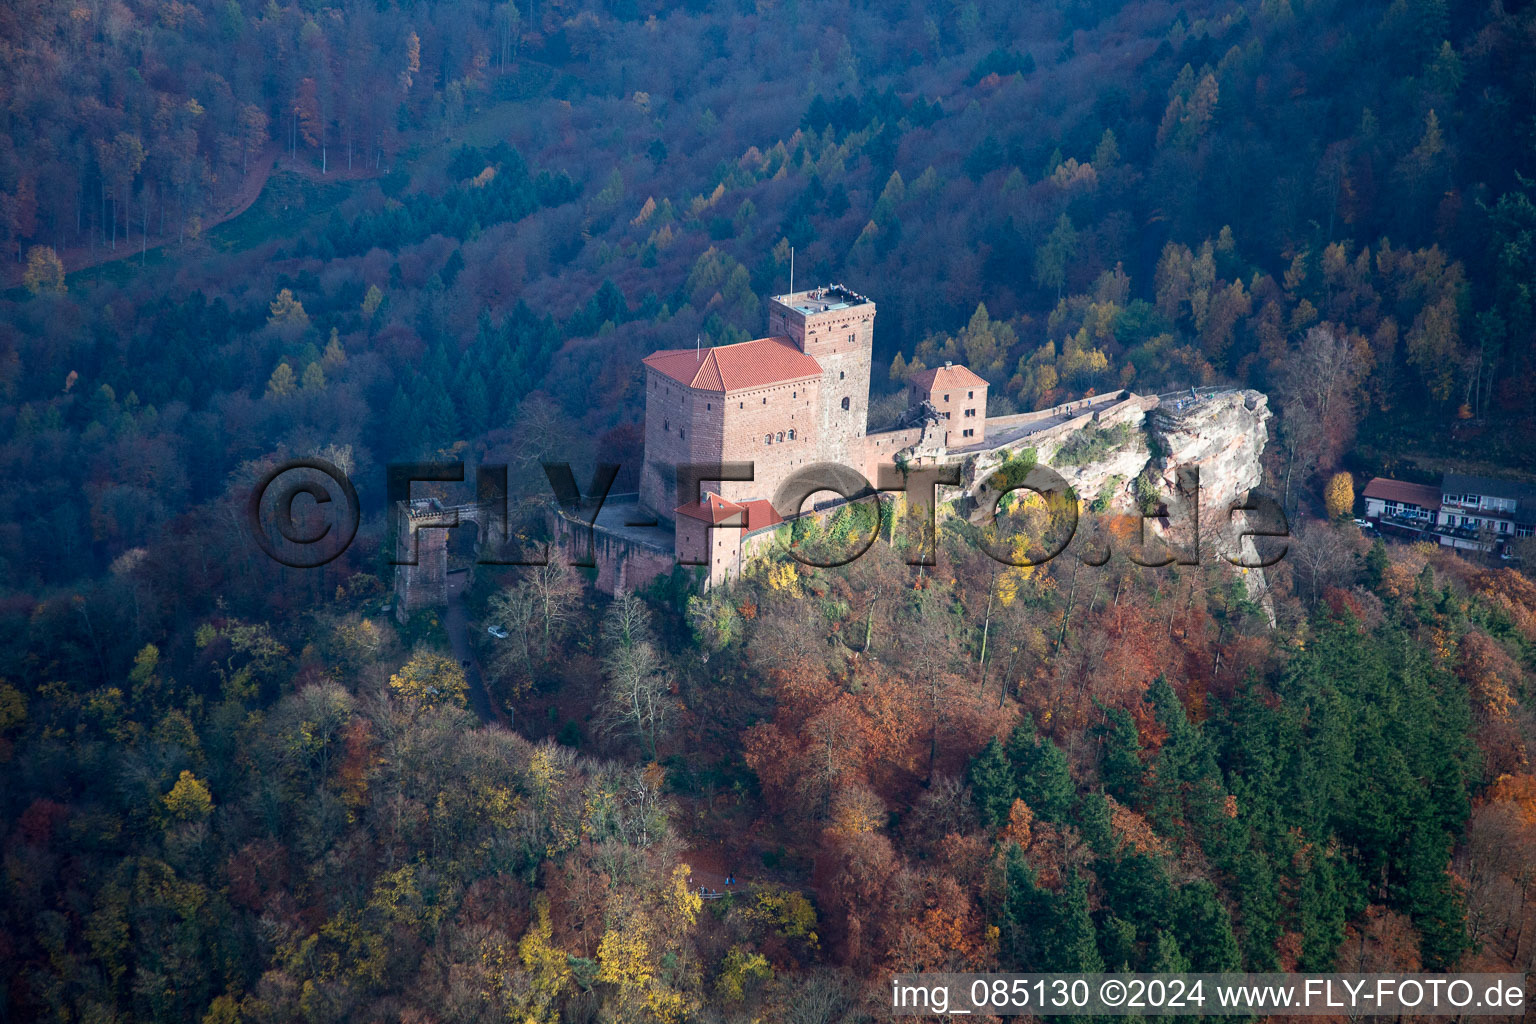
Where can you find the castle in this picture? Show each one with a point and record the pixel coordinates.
(799, 397)
(795, 398)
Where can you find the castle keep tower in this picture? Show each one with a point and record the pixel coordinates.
(836, 327)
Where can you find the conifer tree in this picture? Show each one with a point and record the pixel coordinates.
(1040, 773)
(992, 784)
(1120, 763)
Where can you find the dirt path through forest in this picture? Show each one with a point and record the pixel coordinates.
(269, 162)
(83, 257)
(456, 622)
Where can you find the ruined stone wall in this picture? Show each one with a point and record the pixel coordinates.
(425, 584)
(621, 563)
(423, 530)
(880, 449)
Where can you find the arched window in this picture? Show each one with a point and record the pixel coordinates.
(845, 403)
(791, 435)
(841, 375)
(781, 435)
(767, 439)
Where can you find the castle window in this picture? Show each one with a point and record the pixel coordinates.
(666, 425)
(970, 394)
(946, 398)
(791, 435)
(850, 339)
(767, 439)
(841, 375)
(794, 394)
(845, 403)
(765, 399)
(781, 435)
(741, 405)
(682, 434)
(708, 406)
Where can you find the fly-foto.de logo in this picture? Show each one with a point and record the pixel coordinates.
(304, 513)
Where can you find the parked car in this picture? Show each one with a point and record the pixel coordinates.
(497, 632)
(1362, 523)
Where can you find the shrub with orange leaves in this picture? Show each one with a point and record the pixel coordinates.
(1134, 831)
(1489, 674)
(1018, 830)
(1512, 592)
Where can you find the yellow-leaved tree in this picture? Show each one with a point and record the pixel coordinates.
(285, 309)
(1339, 496)
(189, 799)
(740, 970)
(281, 383)
(13, 707)
(548, 966)
(429, 680)
(643, 953)
(45, 271)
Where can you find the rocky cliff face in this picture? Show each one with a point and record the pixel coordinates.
(1161, 443)
(1223, 436)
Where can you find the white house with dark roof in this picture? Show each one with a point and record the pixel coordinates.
(1473, 513)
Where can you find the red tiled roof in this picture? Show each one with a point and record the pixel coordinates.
(1422, 495)
(739, 367)
(713, 509)
(948, 377)
(717, 511)
(761, 514)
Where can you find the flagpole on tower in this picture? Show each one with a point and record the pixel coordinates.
(791, 270)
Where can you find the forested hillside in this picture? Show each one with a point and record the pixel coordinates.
(1069, 769)
(238, 792)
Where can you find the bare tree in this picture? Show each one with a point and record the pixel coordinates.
(1318, 390)
(821, 997)
(535, 613)
(515, 610)
(628, 620)
(554, 590)
(1321, 558)
(638, 699)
